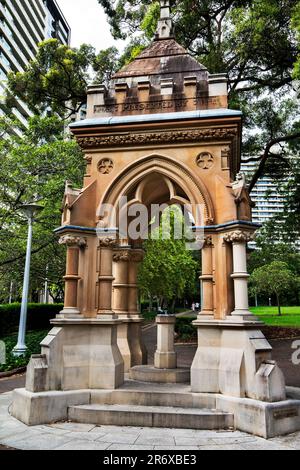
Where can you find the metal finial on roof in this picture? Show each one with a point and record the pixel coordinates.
(165, 23)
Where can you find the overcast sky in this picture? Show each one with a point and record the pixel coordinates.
(88, 23)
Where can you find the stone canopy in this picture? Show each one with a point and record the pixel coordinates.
(161, 133)
(163, 78)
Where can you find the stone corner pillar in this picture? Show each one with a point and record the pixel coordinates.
(240, 275)
(165, 356)
(74, 244)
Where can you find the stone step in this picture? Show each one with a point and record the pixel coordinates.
(151, 416)
(147, 394)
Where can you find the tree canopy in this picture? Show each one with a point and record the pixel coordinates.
(169, 270)
(275, 278)
(58, 77)
(252, 40)
(34, 166)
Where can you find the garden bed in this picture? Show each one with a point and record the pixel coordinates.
(277, 332)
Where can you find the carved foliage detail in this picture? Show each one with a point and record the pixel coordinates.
(193, 135)
(137, 256)
(70, 240)
(239, 236)
(121, 256)
(108, 242)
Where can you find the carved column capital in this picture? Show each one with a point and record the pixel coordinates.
(239, 236)
(108, 242)
(72, 240)
(137, 256)
(207, 241)
(122, 255)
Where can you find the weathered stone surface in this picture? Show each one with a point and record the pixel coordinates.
(150, 416)
(165, 356)
(80, 354)
(45, 408)
(152, 374)
(234, 359)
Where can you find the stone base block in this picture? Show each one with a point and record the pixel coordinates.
(262, 419)
(130, 343)
(77, 355)
(158, 405)
(235, 359)
(45, 408)
(152, 375)
(165, 360)
(139, 354)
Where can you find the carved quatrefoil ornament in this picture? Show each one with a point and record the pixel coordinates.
(205, 160)
(105, 166)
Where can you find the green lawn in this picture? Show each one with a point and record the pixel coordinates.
(269, 315)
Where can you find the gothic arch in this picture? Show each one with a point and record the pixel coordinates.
(175, 175)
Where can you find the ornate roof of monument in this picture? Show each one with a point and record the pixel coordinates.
(162, 57)
(164, 78)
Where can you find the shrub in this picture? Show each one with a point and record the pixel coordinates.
(149, 315)
(38, 317)
(33, 340)
(185, 329)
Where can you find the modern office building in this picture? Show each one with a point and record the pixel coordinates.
(268, 202)
(23, 25)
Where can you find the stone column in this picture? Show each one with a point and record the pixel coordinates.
(165, 356)
(137, 346)
(240, 275)
(136, 257)
(106, 246)
(207, 278)
(121, 258)
(73, 244)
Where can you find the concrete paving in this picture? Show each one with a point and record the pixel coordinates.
(74, 436)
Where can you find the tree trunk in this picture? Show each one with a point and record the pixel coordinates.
(279, 306)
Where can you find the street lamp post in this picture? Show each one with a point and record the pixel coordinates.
(20, 349)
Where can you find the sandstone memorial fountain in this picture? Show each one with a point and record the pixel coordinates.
(161, 133)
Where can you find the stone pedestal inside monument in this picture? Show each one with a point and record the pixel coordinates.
(165, 356)
(165, 368)
(235, 359)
